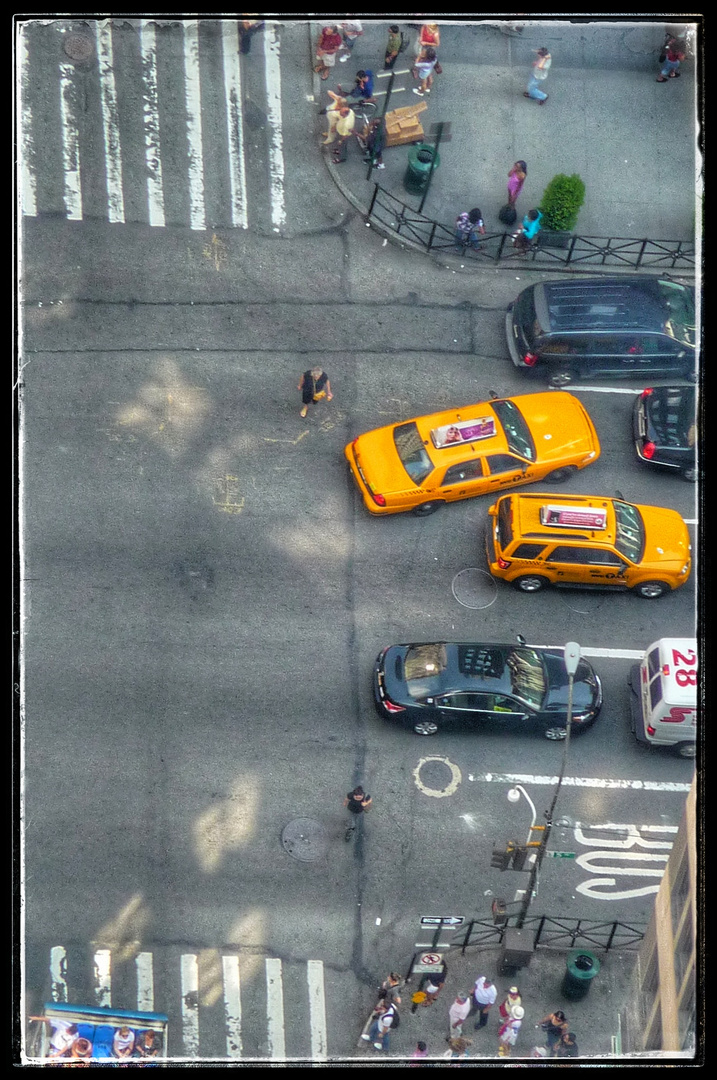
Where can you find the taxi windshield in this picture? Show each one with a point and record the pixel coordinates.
(681, 307)
(517, 432)
(412, 452)
(629, 531)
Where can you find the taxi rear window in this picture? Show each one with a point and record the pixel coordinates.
(412, 452)
(505, 523)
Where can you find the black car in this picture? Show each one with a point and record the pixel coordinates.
(664, 426)
(621, 327)
(523, 688)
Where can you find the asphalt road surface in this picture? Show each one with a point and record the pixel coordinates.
(204, 595)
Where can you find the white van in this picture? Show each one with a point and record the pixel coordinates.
(664, 695)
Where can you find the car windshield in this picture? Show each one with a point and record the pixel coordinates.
(527, 676)
(517, 432)
(681, 306)
(421, 667)
(629, 531)
(412, 452)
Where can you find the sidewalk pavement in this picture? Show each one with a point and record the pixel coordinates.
(594, 1019)
(632, 140)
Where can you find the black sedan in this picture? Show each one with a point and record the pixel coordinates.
(664, 426)
(523, 688)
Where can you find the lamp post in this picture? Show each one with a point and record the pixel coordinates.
(572, 657)
(514, 796)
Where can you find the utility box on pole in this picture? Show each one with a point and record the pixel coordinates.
(516, 950)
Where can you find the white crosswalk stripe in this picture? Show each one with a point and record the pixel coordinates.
(194, 988)
(128, 146)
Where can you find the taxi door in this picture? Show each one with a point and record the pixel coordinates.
(464, 480)
(506, 470)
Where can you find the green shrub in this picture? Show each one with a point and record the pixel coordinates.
(561, 202)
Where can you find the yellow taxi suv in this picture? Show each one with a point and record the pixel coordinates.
(587, 541)
(423, 463)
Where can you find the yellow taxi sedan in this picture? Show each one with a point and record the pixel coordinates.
(423, 463)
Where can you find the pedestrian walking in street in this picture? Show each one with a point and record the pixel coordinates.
(333, 111)
(516, 179)
(566, 1046)
(529, 229)
(458, 1047)
(429, 37)
(362, 89)
(351, 31)
(554, 1024)
(344, 129)
(541, 67)
(379, 1030)
(484, 995)
(391, 987)
(457, 1014)
(315, 386)
(247, 28)
(357, 802)
(511, 998)
(423, 70)
(508, 1031)
(375, 142)
(395, 45)
(330, 42)
(674, 55)
(433, 985)
(467, 227)
(420, 1052)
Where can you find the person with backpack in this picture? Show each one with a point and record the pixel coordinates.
(357, 802)
(386, 1021)
(396, 44)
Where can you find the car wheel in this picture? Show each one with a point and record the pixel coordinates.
(428, 508)
(530, 583)
(425, 727)
(559, 476)
(556, 734)
(652, 590)
(690, 473)
(563, 378)
(686, 749)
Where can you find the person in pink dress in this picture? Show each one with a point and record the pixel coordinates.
(516, 179)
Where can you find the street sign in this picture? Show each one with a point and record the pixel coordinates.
(560, 854)
(428, 962)
(442, 920)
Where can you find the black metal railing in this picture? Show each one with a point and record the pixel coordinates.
(552, 933)
(548, 249)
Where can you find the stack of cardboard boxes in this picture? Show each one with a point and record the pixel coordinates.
(403, 125)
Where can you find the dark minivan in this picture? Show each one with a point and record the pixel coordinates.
(616, 327)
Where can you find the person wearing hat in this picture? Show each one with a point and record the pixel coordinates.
(456, 1016)
(508, 1031)
(512, 998)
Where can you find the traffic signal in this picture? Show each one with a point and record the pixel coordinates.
(501, 857)
(520, 856)
(499, 912)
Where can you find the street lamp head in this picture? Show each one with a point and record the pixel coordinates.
(572, 656)
(513, 795)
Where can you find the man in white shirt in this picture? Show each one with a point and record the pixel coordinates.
(457, 1014)
(484, 995)
(350, 31)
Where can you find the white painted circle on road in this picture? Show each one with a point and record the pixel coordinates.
(438, 793)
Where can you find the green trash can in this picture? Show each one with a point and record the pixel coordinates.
(420, 159)
(581, 968)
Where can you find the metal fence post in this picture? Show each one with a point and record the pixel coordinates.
(373, 199)
(642, 252)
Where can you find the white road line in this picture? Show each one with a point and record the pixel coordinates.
(272, 75)
(26, 180)
(103, 979)
(190, 1004)
(150, 109)
(275, 1009)
(145, 982)
(58, 970)
(235, 123)
(232, 1005)
(110, 123)
(193, 102)
(317, 1009)
(70, 143)
(578, 781)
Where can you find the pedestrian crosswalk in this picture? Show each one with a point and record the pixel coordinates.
(155, 121)
(220, 1004)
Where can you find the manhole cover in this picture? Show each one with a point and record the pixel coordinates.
(305, 839)
(474, 588)
(586, 603)
(78, 47)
